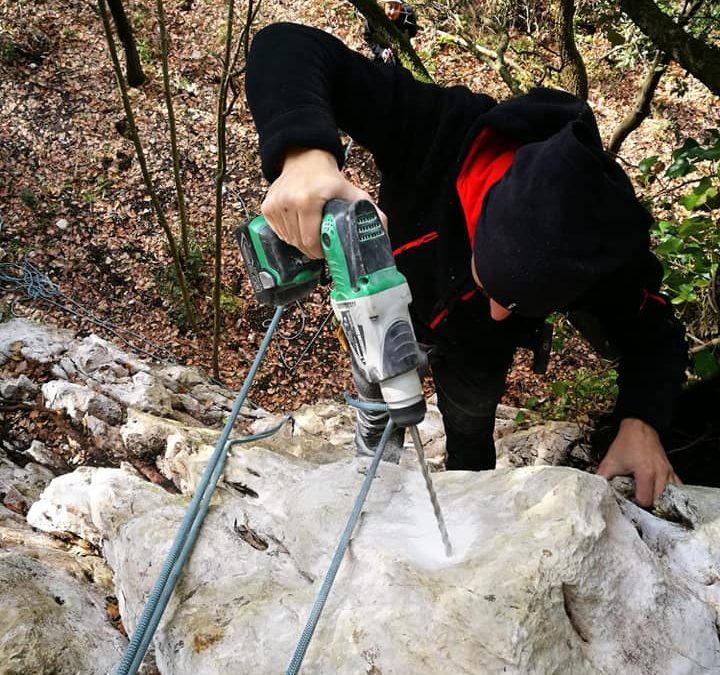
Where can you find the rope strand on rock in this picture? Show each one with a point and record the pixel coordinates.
(339, 554)
(190, 526)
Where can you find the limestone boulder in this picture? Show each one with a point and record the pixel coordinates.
(78, 400)
(553, 571)
(33, 341)
(51, 622)
(55, 593)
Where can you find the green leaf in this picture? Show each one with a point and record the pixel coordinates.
(670, 245)
(680, 167)
(706, 364)
(664, 226)
(686, 293)
(531, 402)
(520, 417)
(616, 39)
(703, 191)
(647, 164)
(703, 186)
(687, 148)
(560, 387)
(695, 225)
(691, 201)
(709, 153)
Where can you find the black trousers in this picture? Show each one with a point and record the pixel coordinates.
(468, 395)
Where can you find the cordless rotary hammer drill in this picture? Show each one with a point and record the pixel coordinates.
(370, 297)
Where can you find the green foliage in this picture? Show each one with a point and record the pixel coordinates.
(142, 16)
(688, 237)
(705, 364)
(628, 44)
(146, 51)
(29, 198)
(688, 240)
(585, 393)
(232, 303)
(194, 264)
(142, 23)
(704, 24)
(168, 283)
(98, 191)
(8, 50)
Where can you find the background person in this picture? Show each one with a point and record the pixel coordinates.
(403, 17)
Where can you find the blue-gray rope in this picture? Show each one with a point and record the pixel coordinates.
(38, 286)
(190, 526)
(322, 595)
(374, 406)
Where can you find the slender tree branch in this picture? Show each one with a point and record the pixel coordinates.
(179, 191)
(705, 345)
(494, 58)
(220, 121)
(644, 98)
(149, 185)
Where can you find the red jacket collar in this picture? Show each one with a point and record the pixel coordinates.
(488, 159)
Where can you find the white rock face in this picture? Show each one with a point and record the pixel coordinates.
(18, 388)
(555, 572)
(51, 623)
(549, 575)
(34, 341)
(53, 596)
(78, 400)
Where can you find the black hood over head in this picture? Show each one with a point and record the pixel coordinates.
(562, 218)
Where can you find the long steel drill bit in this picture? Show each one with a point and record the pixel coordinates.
(431, 490)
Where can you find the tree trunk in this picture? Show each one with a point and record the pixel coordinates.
(657, 69)
(393, 37)
(133, 67)
(231, 68)
(573, 75)
(179, 189)
(699, 58)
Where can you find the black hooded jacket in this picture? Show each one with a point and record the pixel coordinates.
(303, 85)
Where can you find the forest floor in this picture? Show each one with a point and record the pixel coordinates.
(73, 205)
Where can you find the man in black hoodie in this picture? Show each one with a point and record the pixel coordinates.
(498, 214)
(403, 17)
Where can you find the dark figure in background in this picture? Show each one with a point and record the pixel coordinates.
(403, 17)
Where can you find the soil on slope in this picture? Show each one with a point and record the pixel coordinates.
(73, 205)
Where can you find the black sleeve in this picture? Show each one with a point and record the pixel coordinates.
(302, 84)
(641, 328)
